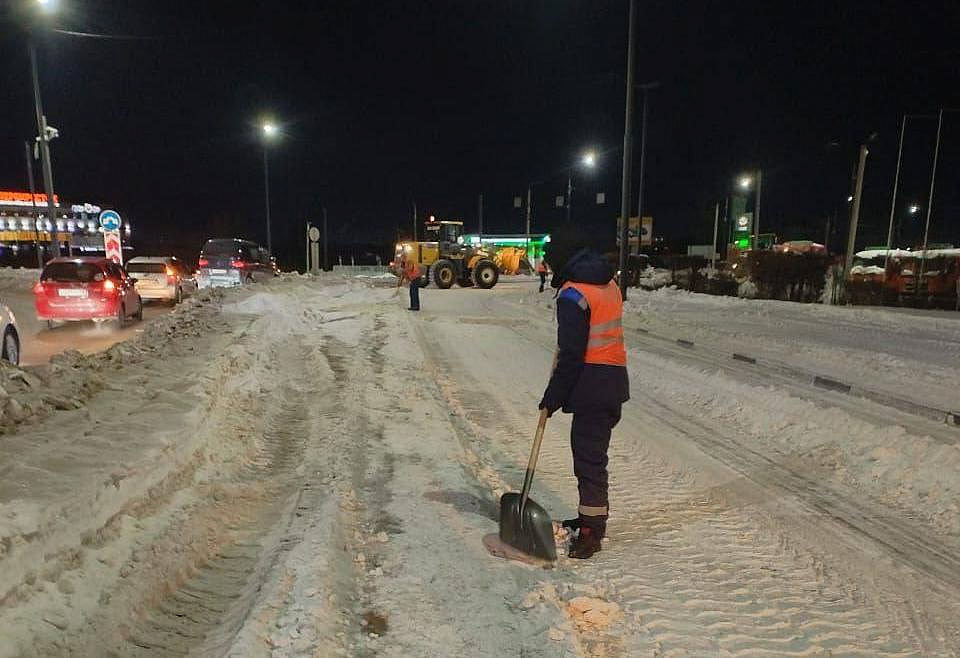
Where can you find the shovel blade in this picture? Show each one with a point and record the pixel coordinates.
(531, 531)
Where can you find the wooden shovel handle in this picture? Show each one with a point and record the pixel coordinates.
(534, 456)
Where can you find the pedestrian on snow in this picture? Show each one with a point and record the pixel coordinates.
(542, 271)
(589, 378)
(411, 272)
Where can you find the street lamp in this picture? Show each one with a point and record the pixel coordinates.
(914, 209)
(44, 132)
(270, 133)
(746, 182)
(588, 160)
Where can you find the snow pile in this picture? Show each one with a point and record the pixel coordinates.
(904, 468)
(747, 290)
(18, 278)
(27, 395)
(592, 614)
(653, 278)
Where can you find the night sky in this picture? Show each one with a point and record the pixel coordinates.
(387, 103)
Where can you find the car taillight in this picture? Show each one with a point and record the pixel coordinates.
(109, 286)
(237, 264)
(203, 262)
(171, 276)
(38, 288)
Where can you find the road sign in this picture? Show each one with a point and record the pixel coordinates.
(112, 246)
(639, 231)
(110, 220)
(314, 234)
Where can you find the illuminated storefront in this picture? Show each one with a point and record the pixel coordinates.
(24, 223)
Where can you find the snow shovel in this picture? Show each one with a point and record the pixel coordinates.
(523, 523)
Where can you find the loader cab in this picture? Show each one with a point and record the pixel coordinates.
(445, 231)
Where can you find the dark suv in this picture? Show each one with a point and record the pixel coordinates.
(232, 262)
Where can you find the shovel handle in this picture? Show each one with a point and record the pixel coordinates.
(534, 456)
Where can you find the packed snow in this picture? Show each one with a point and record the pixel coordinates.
(304, 468)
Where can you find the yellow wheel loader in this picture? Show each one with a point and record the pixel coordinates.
(445, 260)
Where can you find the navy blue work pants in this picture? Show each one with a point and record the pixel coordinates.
(415, 294)
(590, 439)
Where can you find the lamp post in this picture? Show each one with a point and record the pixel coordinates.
(588, 161)
(44, 132)
(747, 181)
(269, 134)
(643, 152)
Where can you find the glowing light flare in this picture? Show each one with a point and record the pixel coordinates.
(589, 159)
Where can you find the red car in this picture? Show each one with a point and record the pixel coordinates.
(97, 289)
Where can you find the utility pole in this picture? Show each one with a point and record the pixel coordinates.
(933, 180)
(414, 221)
(529, 214)
(627, 149)
(266, 192)
(893, 198)
(855, 211)
(324, 238)
(756, 210)
(33, 202)
(480, 215)
(45, 135)
(643, 153)
(713, 245)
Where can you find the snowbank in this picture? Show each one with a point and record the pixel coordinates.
(18, 278)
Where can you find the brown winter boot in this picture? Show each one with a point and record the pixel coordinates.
(586, 543)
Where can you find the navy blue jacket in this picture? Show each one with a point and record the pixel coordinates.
(576, 386)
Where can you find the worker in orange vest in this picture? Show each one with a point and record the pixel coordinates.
(589, 379)
(542, 271)
(411, 272)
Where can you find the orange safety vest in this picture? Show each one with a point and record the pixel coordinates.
(605, 341)
(412, 270)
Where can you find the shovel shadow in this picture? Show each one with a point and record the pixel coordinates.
(466, 503)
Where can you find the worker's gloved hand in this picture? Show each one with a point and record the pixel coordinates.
(550, 411)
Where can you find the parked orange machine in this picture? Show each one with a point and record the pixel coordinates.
(894, 277)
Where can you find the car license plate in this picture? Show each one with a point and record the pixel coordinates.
(218, 272)
(72, 292)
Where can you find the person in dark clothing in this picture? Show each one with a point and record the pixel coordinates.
(542, 271)
(589, 379)
(411, 272)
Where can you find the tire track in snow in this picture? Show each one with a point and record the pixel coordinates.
(202, 614)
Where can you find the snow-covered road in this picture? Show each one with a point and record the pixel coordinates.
(306, 469)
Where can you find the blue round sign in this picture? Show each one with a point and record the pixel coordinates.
(110, 220)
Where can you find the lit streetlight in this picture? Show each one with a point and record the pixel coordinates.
(44, 132)
(914, 209)
(588, 161)
(753, 181)
(270, 133)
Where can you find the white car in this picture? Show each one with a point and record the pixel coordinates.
(161, 278)
(11, 337)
